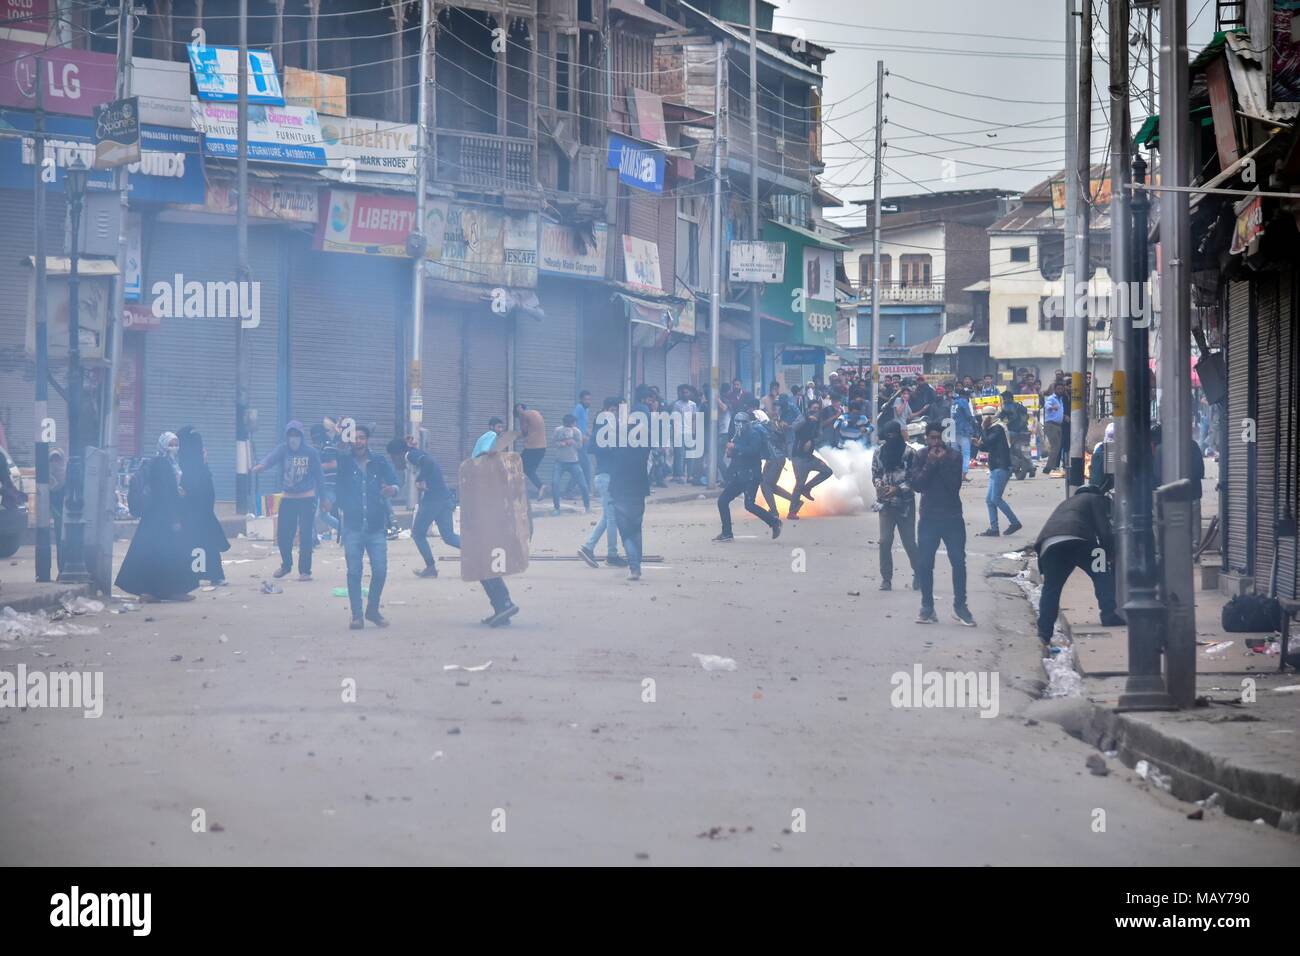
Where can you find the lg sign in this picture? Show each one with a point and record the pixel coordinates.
(74, 81)
(62, 83)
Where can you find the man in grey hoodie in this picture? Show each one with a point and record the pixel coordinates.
(300, 483)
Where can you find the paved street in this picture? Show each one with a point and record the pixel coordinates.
(252, 728)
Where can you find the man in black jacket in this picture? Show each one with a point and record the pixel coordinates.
(1077, 535)
(936, 476)
(803, 454)
(629, 486)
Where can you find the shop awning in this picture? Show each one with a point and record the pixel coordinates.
(947, 343)
(62, 266)
(663, 314)
(809, 236)
(499, 300)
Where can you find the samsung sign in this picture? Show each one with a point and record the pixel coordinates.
(639, 165)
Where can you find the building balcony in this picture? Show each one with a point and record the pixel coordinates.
(486, 161)
(904, 293)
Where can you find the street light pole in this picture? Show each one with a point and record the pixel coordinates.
(43, 551)
(74, 525)
(243, 453)
(715, 271)
(875, 245)
(755, 289)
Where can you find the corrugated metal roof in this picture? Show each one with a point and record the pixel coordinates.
(1250, 80)
(763, 48)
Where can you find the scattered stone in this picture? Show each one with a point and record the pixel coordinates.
(454, 731)
(1097, 765)
(1198, 814)
(176, 657)
(217, 828)
(643, 856)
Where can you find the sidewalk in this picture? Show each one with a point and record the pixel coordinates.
(1247, 751)
(20, 591)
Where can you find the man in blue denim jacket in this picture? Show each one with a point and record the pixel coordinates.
(363, 482)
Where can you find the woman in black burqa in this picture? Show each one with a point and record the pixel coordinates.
(157, 565)
(198, 509)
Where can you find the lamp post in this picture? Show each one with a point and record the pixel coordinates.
(74, 525)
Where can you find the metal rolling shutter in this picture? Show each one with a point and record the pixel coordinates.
(343, 315)
(17, 368)
(677, 367)
(654, 371)
(1288, 431)
(1267, 333)
(546, 355)
(1238, 454)
(189, 367)
(604, 345)
(442, 384)
(487, 393)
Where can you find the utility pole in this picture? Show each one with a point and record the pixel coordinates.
(875, 246)
(756, 289)
(125, 38)
(1145, 687)
(715, 272)
(243, 455)
(1078, 332)
(73, 548)
(43, 556)
(415, 397)
(1177, 536)
(1070, 262)
(1121, 460)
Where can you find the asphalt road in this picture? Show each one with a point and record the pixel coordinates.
(555, 755)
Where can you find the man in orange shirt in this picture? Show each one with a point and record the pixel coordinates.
(532, 429)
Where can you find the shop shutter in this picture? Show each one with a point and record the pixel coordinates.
(189, 367)
(17, 368)
(546, 354)
(1267, 347)
(678, 362)
(344, 312)
(487, 395)
(653, 368)
(1289, 432)
(604, 345)
(443, 376)
(1237, 455)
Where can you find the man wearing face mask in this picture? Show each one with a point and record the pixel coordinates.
(300, 483)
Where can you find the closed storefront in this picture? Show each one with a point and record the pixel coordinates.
(1274, 549)
(604, 346)
(678, 367)
(17, 368)
(1238, 456)
(189, 362)
(344, 317)
(546, 352)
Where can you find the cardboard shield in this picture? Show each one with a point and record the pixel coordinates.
(493, 516)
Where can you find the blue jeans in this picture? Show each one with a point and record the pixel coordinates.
(606, 525)
(964, 444)
(951, 531)
(433, 512)
(628, 514)
(356, 544)
(998, 478)
(574, 470)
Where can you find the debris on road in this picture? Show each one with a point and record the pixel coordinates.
(1154, 775)
(269, 588)
(1096, 764)
(458, 667)
(712, 662)
(82, 605)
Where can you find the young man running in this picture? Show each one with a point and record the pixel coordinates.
(746, 450)
(936, 476)
(435, 500)
(803, 453)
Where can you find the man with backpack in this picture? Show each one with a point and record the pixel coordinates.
(743, 478)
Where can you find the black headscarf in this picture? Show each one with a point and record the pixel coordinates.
(892, 444)
(196, 477)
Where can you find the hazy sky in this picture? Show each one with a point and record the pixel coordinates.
(1013, 50)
